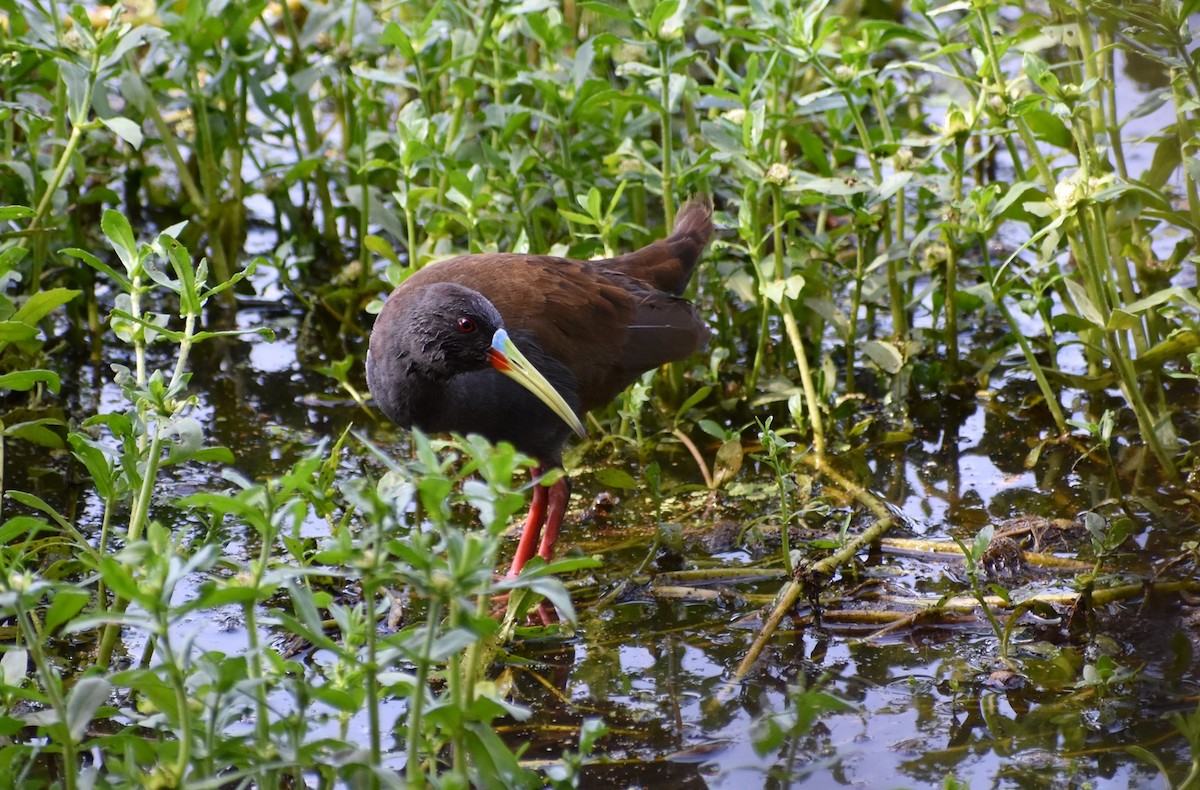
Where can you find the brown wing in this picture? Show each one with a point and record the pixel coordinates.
(607, 328)
(576, 312)
(608, 321)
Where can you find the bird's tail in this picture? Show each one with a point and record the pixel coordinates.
(667, 265)
(694, 221)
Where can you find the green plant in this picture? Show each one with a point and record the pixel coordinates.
(788, 730)
(977, 575)
(916, 202)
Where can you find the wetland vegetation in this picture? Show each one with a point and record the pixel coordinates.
(922, 514)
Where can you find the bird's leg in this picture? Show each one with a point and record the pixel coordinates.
(533, 525)
(559, 495)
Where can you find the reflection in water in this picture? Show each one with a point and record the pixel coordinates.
(656, 669)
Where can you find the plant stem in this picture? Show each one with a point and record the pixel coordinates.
(806, 578)
(668, 189)
(999, 297)
(51, 684)
(296, 62)
(79, 125)
(413, 771)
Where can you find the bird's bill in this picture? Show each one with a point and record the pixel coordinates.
(508, 359)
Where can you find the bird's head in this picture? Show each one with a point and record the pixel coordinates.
(453, 329)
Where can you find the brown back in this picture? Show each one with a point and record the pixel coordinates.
(609, 320)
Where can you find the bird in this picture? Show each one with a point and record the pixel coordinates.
(518, 347)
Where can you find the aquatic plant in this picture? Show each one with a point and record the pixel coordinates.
(923, 205)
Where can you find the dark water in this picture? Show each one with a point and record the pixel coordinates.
(925, 702)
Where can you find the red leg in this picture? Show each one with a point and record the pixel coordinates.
(533, 526)
(560, 495)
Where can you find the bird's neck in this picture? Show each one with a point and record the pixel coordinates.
(410, 397)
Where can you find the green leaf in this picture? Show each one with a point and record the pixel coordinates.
(97, 462)
(1011, 196)
(212, 596)
(98, 265)
(448, 644)
(593, 203)
(42, 304)
(1049, 128)
(967, 302)
(753, 126)
(582, 67)
(13, 667)
(130, 39)
(116, 227)
(76, 79)
(1121, 321)
(37, 431)
(692, 400)
(728, 463)
(983, 539)
(491, 756)
(67, 603)
(1165, 295)
(791, 288)
(766, 735)
(9, 259)
(22, 527)
(1039, 72)
(306, 167)
(217, 455)
(885, 355)
(16, 332)
(1040, 208)
(158, 694)
(893, 183)
(1192, 166)
(37, 503)
(187, 437)
(126, 129)
(553, 590)
(383, 248)
(613, 11)
(181, 262)
(616, 478)
(722, 139)
(1087, 308)
(830, 187)
(665, 18)
(25, 380)
(1167, 158)
(16, 212)
(576, 217)
(84, 700)
(713, 429)
(815, 150)
(590, 732)
(395, 36)
(1179, 343)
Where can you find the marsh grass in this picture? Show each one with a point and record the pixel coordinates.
(885, 185)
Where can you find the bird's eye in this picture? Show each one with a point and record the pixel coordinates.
(466, 325)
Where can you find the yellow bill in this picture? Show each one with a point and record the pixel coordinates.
(508, 359)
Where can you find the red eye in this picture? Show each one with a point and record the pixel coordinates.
(466, 325)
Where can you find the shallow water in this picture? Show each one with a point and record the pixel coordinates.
(656, 663)
(657, 669)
